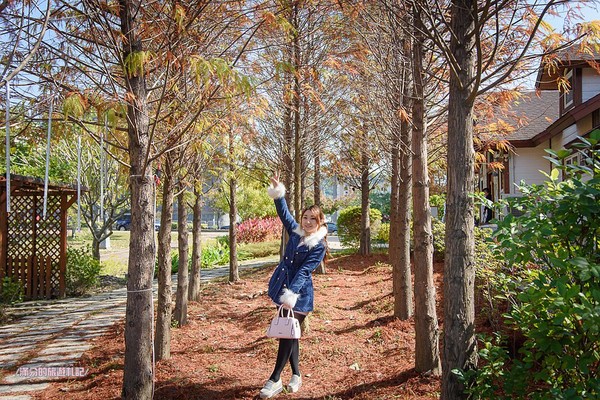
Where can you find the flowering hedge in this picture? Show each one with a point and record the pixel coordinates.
(258, 230)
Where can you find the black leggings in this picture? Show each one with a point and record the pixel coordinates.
(289, 349)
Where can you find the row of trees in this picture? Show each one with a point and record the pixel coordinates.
(236, 89)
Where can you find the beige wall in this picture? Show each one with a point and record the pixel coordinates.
(590, 84)
(527, 163)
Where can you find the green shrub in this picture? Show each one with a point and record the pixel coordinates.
(174, 263)
(439, 201)
(438, 230)
(489, 277)
(217, 254)
(223, 240)
(11, 291)
(553, 287)
(483, 252)
(83, 271)
(212, 255)
(349, 225)
(383, 236)
(380, 201)
(257, 250)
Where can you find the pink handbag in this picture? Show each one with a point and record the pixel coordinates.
(284, 327)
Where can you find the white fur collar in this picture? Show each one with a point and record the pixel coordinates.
(311, 240)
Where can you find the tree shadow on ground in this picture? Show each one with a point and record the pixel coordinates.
(362, 304)
(172, 391)
(356, 262)
(228, 350)
(366, 387)
(250, 320)
(376, 322)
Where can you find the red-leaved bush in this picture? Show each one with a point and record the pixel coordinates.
(258, 230)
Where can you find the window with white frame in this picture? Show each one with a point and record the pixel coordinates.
(571, 160)
(568, 96)
(578, 157)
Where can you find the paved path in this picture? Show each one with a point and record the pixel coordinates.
(46, 344)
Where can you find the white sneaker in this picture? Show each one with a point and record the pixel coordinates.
(271, 389)
(294, 384)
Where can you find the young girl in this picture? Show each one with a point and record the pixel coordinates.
(291, 283)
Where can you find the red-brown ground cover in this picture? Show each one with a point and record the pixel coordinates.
(353, 348)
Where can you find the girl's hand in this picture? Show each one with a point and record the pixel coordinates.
(275, 179)
(276, 190)
(288, 299)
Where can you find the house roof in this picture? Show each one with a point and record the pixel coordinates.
(538, 111)
(29, 184)
(569, 118)
(533, 113)
(553, 65)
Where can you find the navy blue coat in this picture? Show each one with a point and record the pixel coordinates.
(295, 270)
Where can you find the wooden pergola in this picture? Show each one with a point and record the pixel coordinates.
(33, 249)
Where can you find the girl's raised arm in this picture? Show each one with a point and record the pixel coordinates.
(277, 193)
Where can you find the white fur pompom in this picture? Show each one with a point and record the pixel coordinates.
(276, 192)
(289, 298)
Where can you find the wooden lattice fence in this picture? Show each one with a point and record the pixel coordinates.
(33, 249)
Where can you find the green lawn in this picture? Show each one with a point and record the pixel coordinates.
(114, 260)
(118, 240)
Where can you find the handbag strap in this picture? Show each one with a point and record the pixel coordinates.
(289, 314)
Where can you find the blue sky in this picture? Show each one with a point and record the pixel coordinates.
(589, 10)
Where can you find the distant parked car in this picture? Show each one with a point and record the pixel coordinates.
(226, 227)
(122, 224)
(331, 227)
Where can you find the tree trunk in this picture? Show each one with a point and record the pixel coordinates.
(289, 167)
(394, 243)
(297, 170)
(289, 170)
(427, 354)
(296, 109)
(95, 248)
(317, 196)
(181, 297)
(303, 167)
(365, 222)
(162, 341)
(403, 301)
(459, 271)
(317, 178)
(288, 143)
(234, 274)
(137, 370)
(297, 178)
(194, 289)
